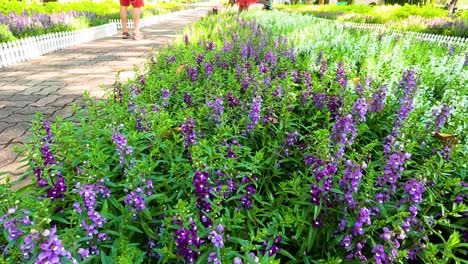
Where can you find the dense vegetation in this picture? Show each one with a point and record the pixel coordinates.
(267, 138)
(408, 17)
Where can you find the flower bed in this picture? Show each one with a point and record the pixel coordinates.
(425, 19)
(237, 147)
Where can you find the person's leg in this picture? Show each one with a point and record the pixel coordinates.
(123, 20)
(137, 4)
(136, 20)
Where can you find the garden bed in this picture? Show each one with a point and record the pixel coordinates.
(403, 18)
(256, 140)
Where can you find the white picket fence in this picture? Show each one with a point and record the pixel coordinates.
(33, 47)
(437, 39)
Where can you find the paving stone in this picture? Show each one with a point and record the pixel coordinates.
(65, 113)
(5, 112)
(50, 90)
(13, 103)
(17, 118)
(3, 126)
(65, 100)
(46, 100)
(15, 171)
(22, 97)
(34, 109)
(14, 132)
(8, 154)
(33, 90)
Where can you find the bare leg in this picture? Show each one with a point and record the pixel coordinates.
(136, 20)
(123, 18)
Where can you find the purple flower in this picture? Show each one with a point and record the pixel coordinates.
(254, 114)
(350, 182)
(379, 254)
(216, 238)
(58, 190)
(200, 183)
(208, 69)
(334, 105)
(341, 76)
(441, 116)
(364, 217)
(188, 130)
(188, 99)
(319, 58)
(52, 249)
(394, 166)
(291, 138)
(378, 100)
(135, 202)
(415, 190)
(232, 100)
(246, 200)
(323, 68)
(270, 58)
(217, 107)
(30, 242)
(84, 253)
(407, 91)
(122, 146)
(227, 46)
(238, 260)
(193, 74)
(320, 100)
(184, 240)
(343, 133)
(346, 242)
(360, 109)
(212, 257)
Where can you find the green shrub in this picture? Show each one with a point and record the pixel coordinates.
(5, 34)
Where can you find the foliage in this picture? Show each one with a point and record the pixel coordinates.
(5, 34)
(237, 144)
(408, 17)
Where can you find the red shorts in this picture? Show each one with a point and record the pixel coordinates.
(246, 3)
(135, 3)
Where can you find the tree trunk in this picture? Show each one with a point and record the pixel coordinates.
(321, 2)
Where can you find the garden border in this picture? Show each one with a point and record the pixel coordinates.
(32, 47)
(440, 39)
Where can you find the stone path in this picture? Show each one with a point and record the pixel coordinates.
(51, 83)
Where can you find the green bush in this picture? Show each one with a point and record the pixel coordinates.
(273, 138)
(5, 34)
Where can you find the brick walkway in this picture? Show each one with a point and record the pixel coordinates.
(51, 83)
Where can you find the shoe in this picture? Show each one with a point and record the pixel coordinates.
(125, 35)
(137, 36)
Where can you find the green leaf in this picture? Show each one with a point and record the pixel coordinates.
(106, 259)
(59, 219)
(454, 239)
(287, 254)
(148, 230)
(240, 241)
(105, 207)
(134, 229)
(311, 238)
(154, 196)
